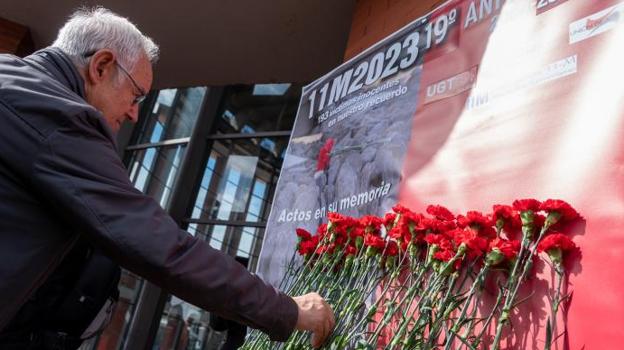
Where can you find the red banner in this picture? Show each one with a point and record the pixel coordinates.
(543, 119)
(477, 103)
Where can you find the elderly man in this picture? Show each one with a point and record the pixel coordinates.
(65, 192)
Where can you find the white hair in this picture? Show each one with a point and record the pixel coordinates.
(92, 29)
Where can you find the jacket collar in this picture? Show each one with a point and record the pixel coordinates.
(59, 66)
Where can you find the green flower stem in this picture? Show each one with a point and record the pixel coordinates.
(412, 284)
(414, 291)
(424, 314)
(389, 312)
(555, 303)
(479, 337)
(289, 271)
(311, 264)
(426, 303)
(457, 326)
(406, 319)
(435, 328)
(364, 284)
(513, 284)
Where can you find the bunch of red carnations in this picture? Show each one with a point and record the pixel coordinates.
(414, 280)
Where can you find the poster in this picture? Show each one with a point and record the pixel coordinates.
(477, 103)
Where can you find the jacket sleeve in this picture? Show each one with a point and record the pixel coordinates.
(82, 179)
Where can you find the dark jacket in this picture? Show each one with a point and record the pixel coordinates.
(60, 175)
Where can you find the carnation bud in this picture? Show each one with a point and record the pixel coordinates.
(552, 218)
(500, 222)
(494, 257)
(371, 251)
(349, 262)
(327, 258)
(448, 267)
(432, 250)
(436, 265)
(555, 255)
(462, 249)
(330, 226)
(527, 217)
(413, 250)
(359, 241)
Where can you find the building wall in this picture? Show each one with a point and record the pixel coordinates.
(375, 19)
(14, 38)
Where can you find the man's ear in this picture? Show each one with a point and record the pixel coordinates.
(101, 66)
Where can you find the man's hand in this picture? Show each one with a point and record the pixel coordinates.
(315, 315)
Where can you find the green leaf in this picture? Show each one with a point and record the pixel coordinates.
(363, 345)
(464, 340)
(548, 336)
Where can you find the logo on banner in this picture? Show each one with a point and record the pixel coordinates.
(552, 71)
(545, 5)
(451, 86)
(596, 23)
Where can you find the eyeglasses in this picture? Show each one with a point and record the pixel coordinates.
(142, 94)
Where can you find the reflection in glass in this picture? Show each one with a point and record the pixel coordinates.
(237, 181)
(185, 326)
(154, 170)
(173, 116)
(270, 89)
(262, 107)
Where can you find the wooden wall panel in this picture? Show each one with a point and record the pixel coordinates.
(375, 19)
(15, 38)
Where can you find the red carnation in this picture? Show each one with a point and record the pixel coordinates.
(307, 247)
(558, 210)
(502, 250)
(371, 223)
(555, 245)
(556, 240)
(435, 225)
(444, 255)
(389, 219)
(432, 239)
(405, 227)
(341, 224)
(538, 220)
(400, 232)
(322, 230)
(477, 221)
(336, 217)
(324, 155)
(350, 250)
(526, 204)
(507, 215)
(356, 232)
(324, 248)
(375, 241)
(440, 212)
(392, 249)
(509, 248)
(303, 234)
(476, 244)
(473, 218)
(562, 207)
(400, 209)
